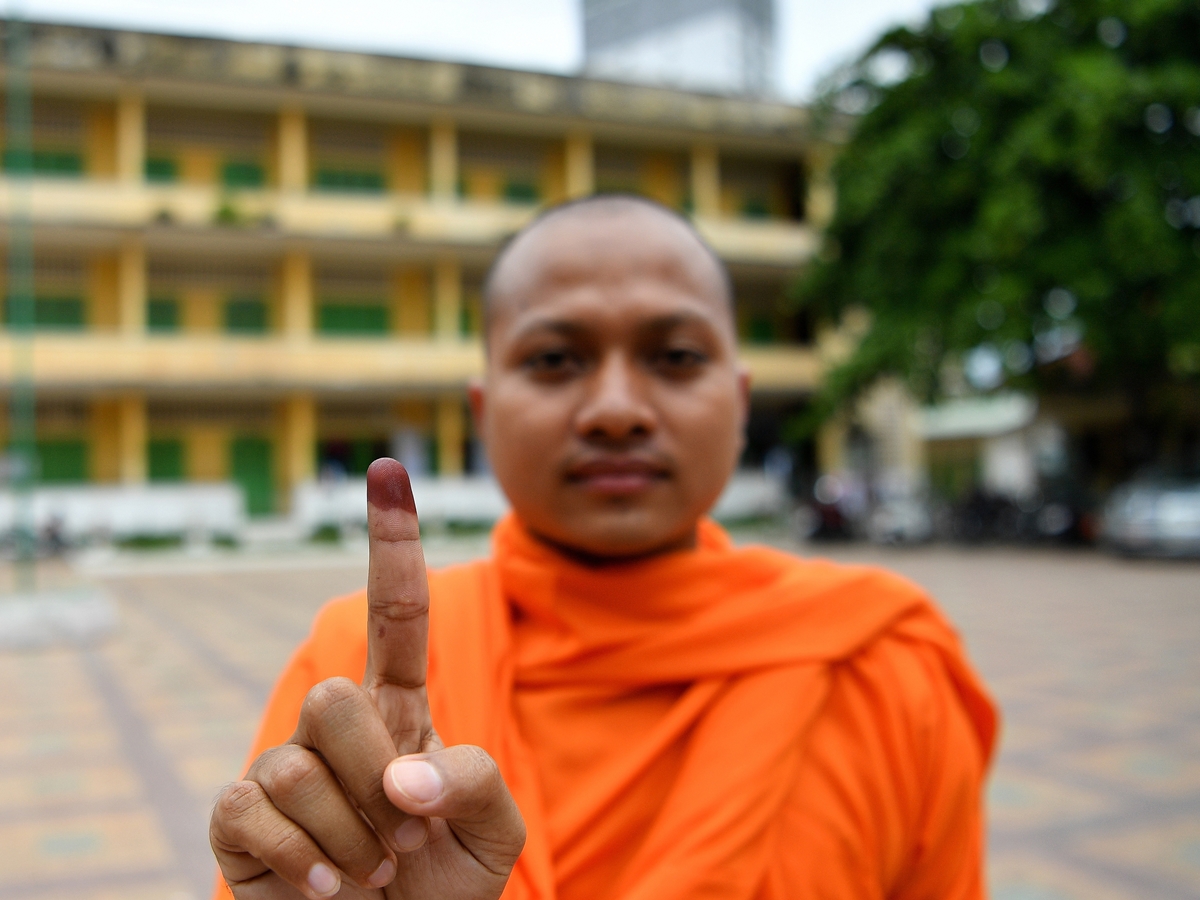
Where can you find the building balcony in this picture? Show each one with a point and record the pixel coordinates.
(96, 363)
(400, 219)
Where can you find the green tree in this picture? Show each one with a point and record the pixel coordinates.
(1019, 203)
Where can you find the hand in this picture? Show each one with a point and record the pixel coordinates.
(334, 809)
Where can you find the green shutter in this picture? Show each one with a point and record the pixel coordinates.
(518, 190)
(352, 318)
(243, 174)
(357, 180)
(164, 460)
(250, 467)
(51, 313)
(161, 169)
(162, 314)
(62, 462)
(61, 163)
(245, 315)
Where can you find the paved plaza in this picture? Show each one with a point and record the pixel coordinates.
(110, 756)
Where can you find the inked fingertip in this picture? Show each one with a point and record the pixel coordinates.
(389, 487)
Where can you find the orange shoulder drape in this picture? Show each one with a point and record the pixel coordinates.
(717, 723)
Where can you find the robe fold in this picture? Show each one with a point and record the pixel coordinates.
(722, 722)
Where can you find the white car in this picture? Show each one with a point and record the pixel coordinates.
(1154, 518)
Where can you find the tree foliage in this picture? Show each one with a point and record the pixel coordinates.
(1020, 201)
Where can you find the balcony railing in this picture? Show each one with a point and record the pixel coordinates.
(323, 214)
(104, 361)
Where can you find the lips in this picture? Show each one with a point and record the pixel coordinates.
(617, 476)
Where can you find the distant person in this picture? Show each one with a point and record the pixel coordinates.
(618, 703)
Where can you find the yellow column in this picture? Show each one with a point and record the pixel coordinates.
(131, 439)
(298, 439)
(131, 138)
(131, 286)
(105, 456)
(447, 299)
(443, 160)
(297, 291)
(706, 181)
(410, 301)
(820, 197)
(831, 447)
(580, 165)
(451, 432)
(293, 150)
(206, 453)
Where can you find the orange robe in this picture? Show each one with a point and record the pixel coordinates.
(717, 723)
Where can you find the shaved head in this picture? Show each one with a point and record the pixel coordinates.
(531, 254)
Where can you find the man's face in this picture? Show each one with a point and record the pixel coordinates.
(613, 406)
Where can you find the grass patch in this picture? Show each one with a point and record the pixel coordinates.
(150, 542)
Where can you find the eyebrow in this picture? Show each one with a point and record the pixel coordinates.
(571, 328)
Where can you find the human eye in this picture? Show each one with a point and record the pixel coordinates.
(679, 361)
(553, 364)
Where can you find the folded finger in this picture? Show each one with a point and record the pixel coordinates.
(302, 787)
(463, 785)
(341, 723)
(251, 838)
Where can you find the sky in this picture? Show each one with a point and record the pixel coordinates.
(815, 36)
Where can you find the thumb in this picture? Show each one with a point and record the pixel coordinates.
(463, 785)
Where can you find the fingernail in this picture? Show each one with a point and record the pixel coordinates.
(383, 875)
(411, 835)
(417, 780)
(323, 880)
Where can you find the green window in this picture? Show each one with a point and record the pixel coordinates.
(761, 330)
(161, 169)
(352, 318)
(62, 163)
(162, 314)
(164, 459)
(756, 208)
(250, 467)
(50, 313)
(357, 180)
(521, 191)
(62, 462)
(243, 174)
(245, 315)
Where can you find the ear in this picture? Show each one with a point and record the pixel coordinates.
(743, 379)
(475, 399)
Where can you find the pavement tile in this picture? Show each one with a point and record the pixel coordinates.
(73, 784)
(1020, 801)
(1095, 794)
(1170, 849)
(87, 845)
(1038, 879)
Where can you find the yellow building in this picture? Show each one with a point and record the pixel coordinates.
(255, 261)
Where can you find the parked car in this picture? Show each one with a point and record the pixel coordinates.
(1154, 517)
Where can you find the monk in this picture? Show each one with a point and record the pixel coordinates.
(618, 703)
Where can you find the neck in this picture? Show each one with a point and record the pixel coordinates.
(602, 559)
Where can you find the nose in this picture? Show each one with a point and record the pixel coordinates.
(616, 407)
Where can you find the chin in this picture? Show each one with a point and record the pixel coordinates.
(620, 534)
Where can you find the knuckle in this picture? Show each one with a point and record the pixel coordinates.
(294, 773)
(234, 804)
(329, 697)
(482, 769)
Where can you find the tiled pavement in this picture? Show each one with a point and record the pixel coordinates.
(109, 757)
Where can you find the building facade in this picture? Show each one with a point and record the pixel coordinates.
(261, 263)
(722, 46)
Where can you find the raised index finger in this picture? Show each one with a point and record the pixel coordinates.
(397, 589)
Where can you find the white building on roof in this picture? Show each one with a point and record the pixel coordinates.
(720, 46)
